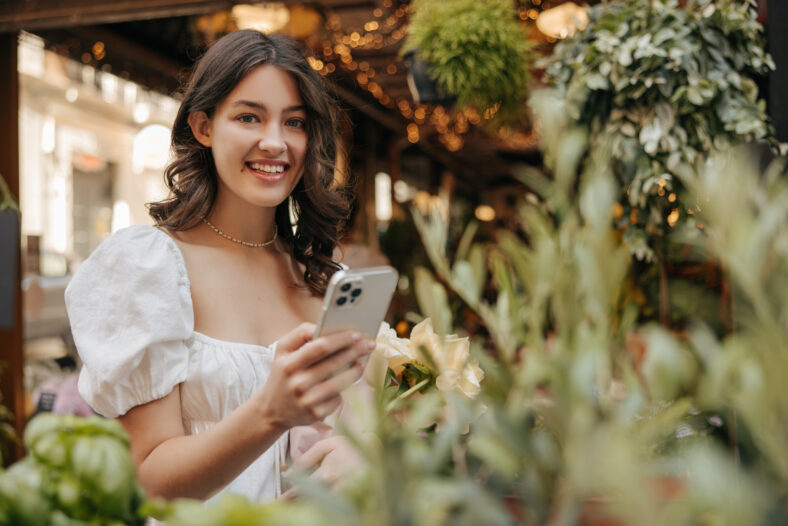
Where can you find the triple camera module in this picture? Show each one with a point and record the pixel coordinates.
(349, 292)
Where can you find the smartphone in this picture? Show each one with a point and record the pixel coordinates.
(357, 299)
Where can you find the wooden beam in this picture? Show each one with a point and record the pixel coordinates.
(11, 354)
(397, 125)
(42, 14)
(131, 51)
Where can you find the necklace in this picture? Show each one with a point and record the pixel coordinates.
(240, 241)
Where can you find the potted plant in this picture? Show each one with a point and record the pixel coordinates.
(665, 83)
(474, 51)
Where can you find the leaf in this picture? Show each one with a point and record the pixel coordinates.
(433, 300)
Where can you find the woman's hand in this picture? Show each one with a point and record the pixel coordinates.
(330, 461)
(305, 381)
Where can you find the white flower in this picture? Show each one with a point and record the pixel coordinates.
(455, 371)
(450, 357)
(391, 352)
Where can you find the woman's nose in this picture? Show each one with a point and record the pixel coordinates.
(272, 140)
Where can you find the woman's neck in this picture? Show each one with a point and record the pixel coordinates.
(244, 221)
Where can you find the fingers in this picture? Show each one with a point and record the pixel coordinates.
(339, 360)
(314, 454)
(332, 387)
(296, 338)
(314, 351)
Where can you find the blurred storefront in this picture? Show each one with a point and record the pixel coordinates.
(92, 145)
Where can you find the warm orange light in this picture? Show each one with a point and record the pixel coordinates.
(484, 213)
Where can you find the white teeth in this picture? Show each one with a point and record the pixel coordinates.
(268, 168)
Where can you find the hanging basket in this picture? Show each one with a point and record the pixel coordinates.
(423, 87)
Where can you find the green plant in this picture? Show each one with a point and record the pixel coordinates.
(79, 472)
(664, 86)
(8, 438)
(476, 50)
(687, 433)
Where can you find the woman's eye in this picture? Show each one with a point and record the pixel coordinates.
(247, 118)
(296, 123)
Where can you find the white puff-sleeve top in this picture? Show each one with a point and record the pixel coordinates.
(131, 315)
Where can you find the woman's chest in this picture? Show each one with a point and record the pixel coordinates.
(253, 301)
(221, 376)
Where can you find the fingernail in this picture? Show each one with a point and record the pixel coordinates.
(356, 335)
(371, 344)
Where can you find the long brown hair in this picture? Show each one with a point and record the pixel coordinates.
(320, 208)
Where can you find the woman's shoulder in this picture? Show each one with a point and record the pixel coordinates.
(138, 249)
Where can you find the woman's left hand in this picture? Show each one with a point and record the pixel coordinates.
(331, 458)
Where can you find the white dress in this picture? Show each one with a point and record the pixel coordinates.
(131, 314)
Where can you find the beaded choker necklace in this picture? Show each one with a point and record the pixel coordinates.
(240, 241)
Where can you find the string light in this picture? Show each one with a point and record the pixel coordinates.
(386, 29)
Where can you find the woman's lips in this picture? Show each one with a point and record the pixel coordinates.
(272, 176)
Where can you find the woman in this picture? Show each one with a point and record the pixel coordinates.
(192, 333)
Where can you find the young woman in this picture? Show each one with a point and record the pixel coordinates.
(194, 333)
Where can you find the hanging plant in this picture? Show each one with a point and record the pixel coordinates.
(664, 85)
(475, 51)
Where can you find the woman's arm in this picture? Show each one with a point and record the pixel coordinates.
(301, 388)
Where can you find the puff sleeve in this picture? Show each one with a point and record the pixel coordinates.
(130, 310)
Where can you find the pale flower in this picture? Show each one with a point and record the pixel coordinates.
(390, 352)
(455, 371)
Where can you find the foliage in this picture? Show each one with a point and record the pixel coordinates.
(78, 472)
(476, 50)
(663, 86)
(572, 414)
(8, 436)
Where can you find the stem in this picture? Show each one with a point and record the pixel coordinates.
(407, 393)
(664, 297)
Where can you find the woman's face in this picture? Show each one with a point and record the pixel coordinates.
(258, 137)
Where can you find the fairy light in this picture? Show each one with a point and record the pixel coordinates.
(386, 29)
(316, 64)
(413, 132)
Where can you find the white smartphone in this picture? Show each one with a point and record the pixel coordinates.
(357, 299)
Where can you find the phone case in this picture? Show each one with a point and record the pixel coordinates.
(357, 299)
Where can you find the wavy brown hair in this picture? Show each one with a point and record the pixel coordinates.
(320, 209)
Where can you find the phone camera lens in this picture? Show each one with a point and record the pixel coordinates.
(355, 293)
(345, 287)
(342, 300)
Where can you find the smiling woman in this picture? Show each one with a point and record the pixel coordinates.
(193, 178)
(192, 332)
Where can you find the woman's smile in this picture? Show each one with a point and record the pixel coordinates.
(269, 171)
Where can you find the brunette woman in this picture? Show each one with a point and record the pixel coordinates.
(195, 332)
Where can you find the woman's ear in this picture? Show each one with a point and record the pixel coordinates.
(201, 127)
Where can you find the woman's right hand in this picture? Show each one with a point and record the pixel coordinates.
(305, 384)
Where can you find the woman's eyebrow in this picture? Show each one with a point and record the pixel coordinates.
(262, 107)
(292, 109)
